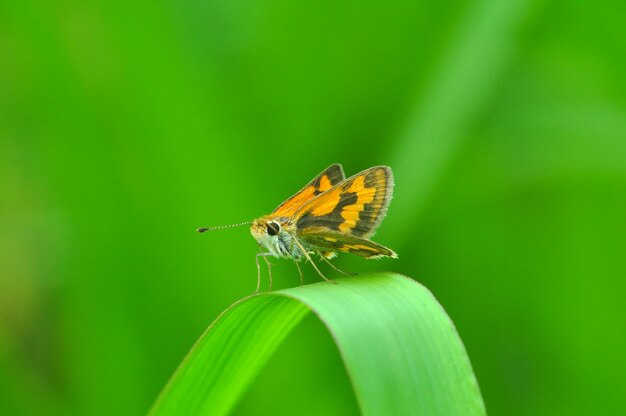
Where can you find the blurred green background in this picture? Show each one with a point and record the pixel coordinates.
(126, 125)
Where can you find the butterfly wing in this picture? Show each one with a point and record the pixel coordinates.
(354, 207)
(332, 175)
(328, 242)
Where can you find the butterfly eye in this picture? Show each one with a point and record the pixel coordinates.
(273, 228)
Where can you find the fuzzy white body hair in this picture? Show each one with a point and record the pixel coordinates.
(281, 245)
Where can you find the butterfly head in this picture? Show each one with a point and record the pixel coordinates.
(265, 229)
(269, 232)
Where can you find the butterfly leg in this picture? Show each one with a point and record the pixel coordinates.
(301, 275)
(308, 257)
(317, 269)
(258, 268)
(269, 271)
(335, 267)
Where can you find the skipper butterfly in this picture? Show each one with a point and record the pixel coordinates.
(330, 214)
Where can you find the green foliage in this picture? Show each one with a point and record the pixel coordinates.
(124, 126)
(401, 351)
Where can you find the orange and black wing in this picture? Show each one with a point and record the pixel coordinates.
(354, 207)
(327, 242)
(322, 182)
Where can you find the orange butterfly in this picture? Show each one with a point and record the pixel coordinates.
(330, 214)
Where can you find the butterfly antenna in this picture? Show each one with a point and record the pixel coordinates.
(203, 229)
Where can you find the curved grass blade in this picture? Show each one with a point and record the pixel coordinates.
(401, 351)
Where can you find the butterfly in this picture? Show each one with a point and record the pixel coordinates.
(330, 214)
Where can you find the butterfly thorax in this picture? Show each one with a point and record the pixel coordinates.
(276, 234)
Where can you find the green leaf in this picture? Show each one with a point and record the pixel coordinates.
(451, 102)
(400, 349)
